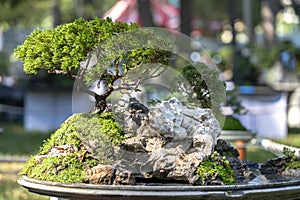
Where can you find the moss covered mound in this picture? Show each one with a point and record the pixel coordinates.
(68, 153)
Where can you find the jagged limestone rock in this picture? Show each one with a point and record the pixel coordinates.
(171, 118)
(173, 139)
(124, 177)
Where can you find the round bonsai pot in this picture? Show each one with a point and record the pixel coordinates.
(275, 190)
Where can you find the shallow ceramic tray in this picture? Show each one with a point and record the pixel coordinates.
(278, 190)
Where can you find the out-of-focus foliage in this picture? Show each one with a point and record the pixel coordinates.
(23, 12)
(221, 10)
(226, 57)
(250, 61)
(255, 59)
(211, 10)
(4, 63)
(32, 13)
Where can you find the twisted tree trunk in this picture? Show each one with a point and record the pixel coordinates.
(100, 104)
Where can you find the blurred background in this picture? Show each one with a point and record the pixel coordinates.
(255, 43)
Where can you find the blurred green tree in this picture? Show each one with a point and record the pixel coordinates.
(32, 13)
(4, 64)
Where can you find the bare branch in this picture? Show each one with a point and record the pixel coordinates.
(126, 87)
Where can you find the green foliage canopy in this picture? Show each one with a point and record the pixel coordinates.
(115, 60)
(293, 161)
(68, 47)
(61, 50)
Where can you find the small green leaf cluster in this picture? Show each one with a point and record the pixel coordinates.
(195, 78)
(293, 160)
(153, 101)
(207, 88)
(214, 168)
(64, 47)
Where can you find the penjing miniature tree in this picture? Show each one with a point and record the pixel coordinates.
(69, 47)
(106, 58)
(105, 52)
(173, 141)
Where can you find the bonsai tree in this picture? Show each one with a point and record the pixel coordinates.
(114, 56)
(115, 48)
(63, 50)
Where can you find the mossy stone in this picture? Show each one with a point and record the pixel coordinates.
(213, 168)
(71, 167)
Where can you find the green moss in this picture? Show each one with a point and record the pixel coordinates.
(66, 134)
(293, 165)
(65, 169)
(77, 130)
(81, 126)
(111, 128)
(214, 168)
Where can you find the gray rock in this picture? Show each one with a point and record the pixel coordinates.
(171, 141)
(226, 149)
(100, 174)
(134, 144)
(291, 173)
(166, 142)
(124, 178)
